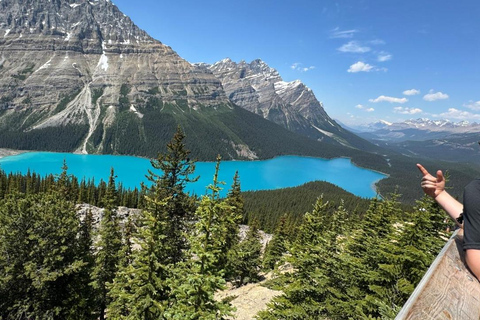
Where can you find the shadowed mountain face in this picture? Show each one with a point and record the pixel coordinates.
(80, 76)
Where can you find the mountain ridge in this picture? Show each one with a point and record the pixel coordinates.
(260, 89)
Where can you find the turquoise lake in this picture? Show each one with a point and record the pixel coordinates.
(279, 172)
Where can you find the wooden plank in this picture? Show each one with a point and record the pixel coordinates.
(448, 290)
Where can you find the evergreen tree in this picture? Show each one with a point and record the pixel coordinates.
(141, 286)
(83, 283)
(245, 262)
(198, 279)
(120, 290)
(109, 245)
(311, 288)
(176, 171)
(39, 260)
(231, 219)
(277, 246)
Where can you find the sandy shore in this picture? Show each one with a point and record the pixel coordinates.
(10, 152)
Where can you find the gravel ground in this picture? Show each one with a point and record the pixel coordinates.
(9, 152)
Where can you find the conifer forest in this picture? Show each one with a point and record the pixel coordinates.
(350, 258)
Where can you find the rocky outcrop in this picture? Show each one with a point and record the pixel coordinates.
(260, 89)
(61, 46)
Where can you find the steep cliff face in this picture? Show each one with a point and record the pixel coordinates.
(83, 63)
(260, 89)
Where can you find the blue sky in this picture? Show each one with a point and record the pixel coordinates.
(365, 60)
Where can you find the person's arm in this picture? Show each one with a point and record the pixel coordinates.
(435, 188)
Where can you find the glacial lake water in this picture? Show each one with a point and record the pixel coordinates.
(279, 172)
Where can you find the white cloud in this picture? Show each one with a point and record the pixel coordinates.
(456, 114)
(432, 96)
(345, 34)
(389, 99)
(473, 105)
(360, 67)
(377, 42)
(308, 69)
(384, 56)
(411, 92)
(297, 66)
(364, 108)
(353, 46)
(403, 110)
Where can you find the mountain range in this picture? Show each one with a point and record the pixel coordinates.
(80, 76)
(415, 129)
(425, 138)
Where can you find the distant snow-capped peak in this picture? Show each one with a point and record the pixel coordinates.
(422, 124)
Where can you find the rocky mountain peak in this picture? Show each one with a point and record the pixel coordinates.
(83, 23)
(259, 88)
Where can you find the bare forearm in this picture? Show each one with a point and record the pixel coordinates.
(449, 204)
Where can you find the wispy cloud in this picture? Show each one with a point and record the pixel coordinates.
(388, 99)
(433, 96)
(384, 56)
(403, 110)
(473, 105)
(343, 34)
(364, 108)
(360, 67)
(411, 92)
(456, 114)
(354, 47)
(298, 67)
(376, 42)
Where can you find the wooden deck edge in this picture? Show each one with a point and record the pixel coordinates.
(431, 272)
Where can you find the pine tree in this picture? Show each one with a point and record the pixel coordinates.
(39, 258)
(85, 307)
(120, 290)
(176, 171)
(109, 245)
(276, 248)
(311, 288)
(141, 286)
(231, 219)
(199, 278)
(245, 262)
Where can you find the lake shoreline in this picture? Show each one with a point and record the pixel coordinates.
(5, 152)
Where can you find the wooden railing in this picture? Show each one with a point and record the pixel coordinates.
(448, 290)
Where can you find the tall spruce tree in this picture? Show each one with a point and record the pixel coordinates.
(231, 219)
(276, 248)
(200, 277)
(245, 262)
(176, 171)
(310, 289)
(85, 308)
(109, 244)
(147, 294)
(120, 291)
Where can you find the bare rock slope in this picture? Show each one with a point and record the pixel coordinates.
(260, 89)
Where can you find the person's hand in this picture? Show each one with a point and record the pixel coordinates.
(431, 185)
